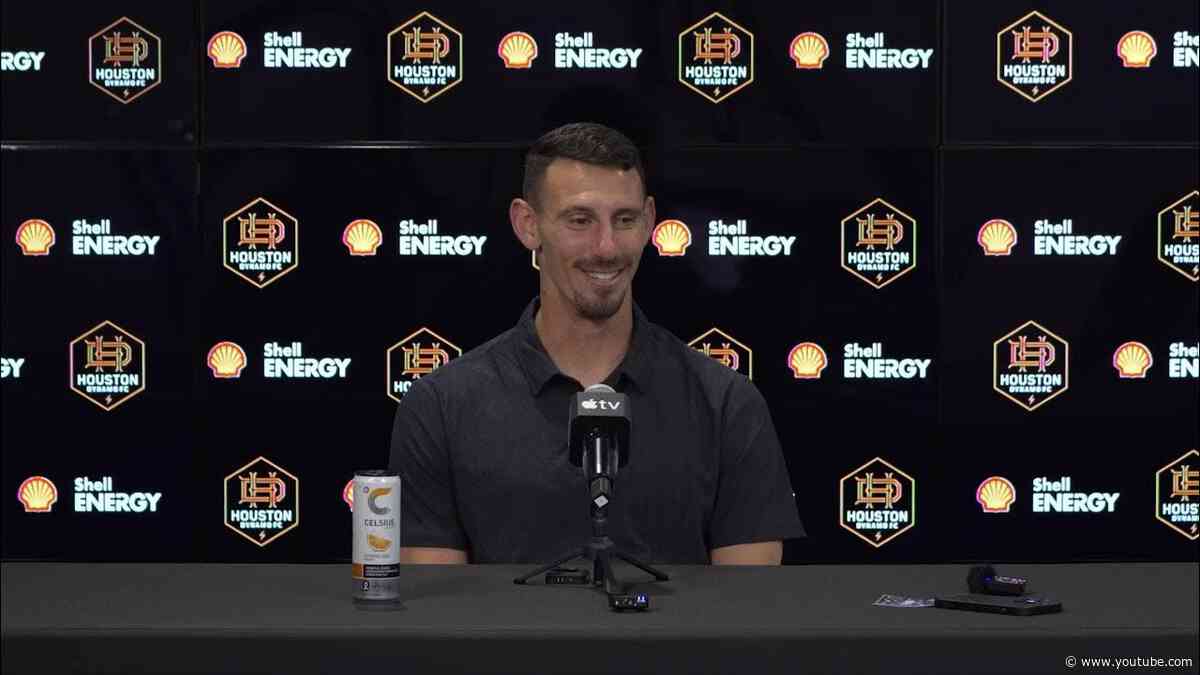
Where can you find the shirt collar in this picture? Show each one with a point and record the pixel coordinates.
(540, 369)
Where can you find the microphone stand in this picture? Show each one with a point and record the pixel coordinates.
(600, 550)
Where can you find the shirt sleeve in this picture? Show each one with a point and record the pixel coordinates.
(420, 453)
(754, 500)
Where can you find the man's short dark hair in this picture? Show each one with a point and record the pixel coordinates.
(584, 142)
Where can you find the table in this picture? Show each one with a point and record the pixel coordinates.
(209, 618)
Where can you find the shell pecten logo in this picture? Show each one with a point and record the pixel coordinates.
(996, 494)
(226, 49)
(226, 360)
(35, 237)
(1132, 360)
(37, 494)
(997, 237)
(517, 50)
(362, 237)
(807, 360)
(809, 51)
(671, 238)
(1136, 48)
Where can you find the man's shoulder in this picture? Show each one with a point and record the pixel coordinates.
(479, 367)
(715, 379)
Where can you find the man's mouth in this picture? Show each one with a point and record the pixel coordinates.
(602, 275)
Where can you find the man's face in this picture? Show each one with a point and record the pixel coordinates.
(593, 222)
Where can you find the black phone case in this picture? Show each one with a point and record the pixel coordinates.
(1019, 605)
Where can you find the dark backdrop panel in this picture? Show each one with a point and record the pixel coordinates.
(57, 101)
(144, 443)
(1094, 302)
(1103, 102)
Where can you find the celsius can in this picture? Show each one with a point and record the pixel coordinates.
(376, 561)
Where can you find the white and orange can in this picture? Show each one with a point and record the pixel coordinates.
(376, 556)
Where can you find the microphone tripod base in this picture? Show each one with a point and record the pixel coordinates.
(600, 551)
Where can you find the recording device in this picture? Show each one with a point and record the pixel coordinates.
(984, 580)
(637, 602)
(598, 431)
(567, 576)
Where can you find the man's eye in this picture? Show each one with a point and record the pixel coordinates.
(579, 222)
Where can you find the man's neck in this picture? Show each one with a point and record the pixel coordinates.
(584, 349)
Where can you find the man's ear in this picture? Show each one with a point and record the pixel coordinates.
(651, 218)
(524, 223)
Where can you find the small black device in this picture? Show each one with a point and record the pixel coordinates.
(568, 576)
(983, 580)
(631, 602)
(1021, 605)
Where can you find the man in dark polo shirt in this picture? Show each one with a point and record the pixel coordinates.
(481, 443)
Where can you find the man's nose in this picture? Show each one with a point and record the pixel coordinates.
(606, 240)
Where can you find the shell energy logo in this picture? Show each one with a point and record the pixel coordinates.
(1030, 366)
(260, 242)
(124, 60)
(1132, 360)
(671, 238)
(108, 365)
(1136, 48)
(725, 350)
(517, 50)
(418, 354)
(362, 237)
(715, 57)
(1179, 235)
(878, 502)
(997, 237)
(262, 501)
(424, 57)
(879, 243)
(996, 494)
(35, 237)
(1177, 495)
(37, 494)
(809, 51)
(226, 360)
(806, 361)
(226, 49)
(1034, 56)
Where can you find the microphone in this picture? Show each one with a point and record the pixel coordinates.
(598, 433)
(599, 411)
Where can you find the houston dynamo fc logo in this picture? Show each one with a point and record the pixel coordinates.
(1179, 235)
(715, 57)
(878, 502)
(725, 350)
(1034, 56)
(424, 57)
(260, 242)
(1030, 366)
(879, 243)
(262, 501)
(124, 60)
(418, 354)
(108, 365)
(1177, 495)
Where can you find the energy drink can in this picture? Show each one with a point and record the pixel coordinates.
(376, 557)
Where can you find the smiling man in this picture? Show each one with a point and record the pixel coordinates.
(481, 442)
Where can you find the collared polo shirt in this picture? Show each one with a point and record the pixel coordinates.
(481, 447)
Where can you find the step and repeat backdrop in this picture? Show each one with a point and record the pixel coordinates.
(956, 246)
